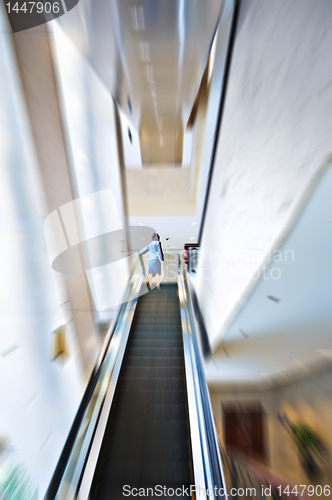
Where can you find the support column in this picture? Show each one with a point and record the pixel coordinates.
(36, 72)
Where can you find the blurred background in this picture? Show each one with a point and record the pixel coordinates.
(208, 122)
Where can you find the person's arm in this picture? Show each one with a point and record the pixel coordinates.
(145, 250)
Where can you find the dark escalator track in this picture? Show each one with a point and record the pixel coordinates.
(147, 440)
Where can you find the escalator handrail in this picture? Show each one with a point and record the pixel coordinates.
(66, 453)
(143, 271)
(215, 465)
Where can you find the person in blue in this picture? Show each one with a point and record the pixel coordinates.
(156, 257)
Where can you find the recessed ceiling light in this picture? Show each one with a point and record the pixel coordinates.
(82, 156)
(267, 378)
(274, 299)
(325, 352)
(301, 365)
(148, 69)
(141, 223)
(243, 333)
(152, 86)
(193, 223)
(137, 18)
(143, 239)
(192, 238)
(144, 51)
(9, 350)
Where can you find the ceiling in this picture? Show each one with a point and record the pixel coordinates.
(284, 329)
(151, 55)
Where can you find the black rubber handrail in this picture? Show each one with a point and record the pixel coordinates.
(213, 446)
(143, 271)
(63, 461)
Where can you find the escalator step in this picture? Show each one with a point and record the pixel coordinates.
(146, 442)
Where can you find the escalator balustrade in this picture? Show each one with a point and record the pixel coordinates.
(147, 440)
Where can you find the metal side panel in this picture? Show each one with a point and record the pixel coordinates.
(76, 478)
(195, 435)
(209, 477)
(208, 404)
(119, 348)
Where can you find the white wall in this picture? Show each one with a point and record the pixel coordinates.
(276, 339)
(89, 118)
(39, 398)
(275, 135)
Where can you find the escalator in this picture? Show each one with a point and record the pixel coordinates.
(145, 425)
(147, 440)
